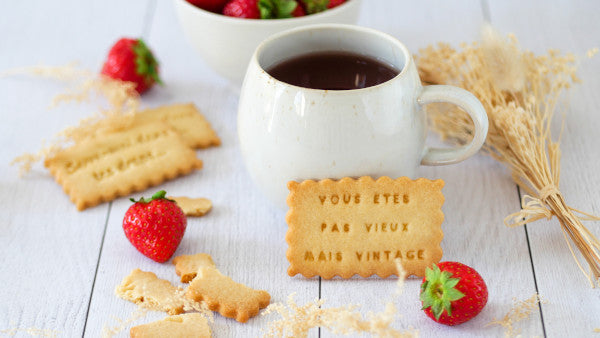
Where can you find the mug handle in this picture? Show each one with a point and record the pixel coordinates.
(470, 104)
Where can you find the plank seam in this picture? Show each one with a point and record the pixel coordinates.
(87, 313)
(533, 271)
(319, 330)
(148, 18)
(485, 8)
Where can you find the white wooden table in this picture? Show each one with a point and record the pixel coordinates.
(59, 267)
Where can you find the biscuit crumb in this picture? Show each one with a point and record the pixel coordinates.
(198, 306)
(520, 311)
(122, 324)
(32, 331)
(297, 320)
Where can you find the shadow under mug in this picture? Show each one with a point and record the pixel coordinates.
(289, 133)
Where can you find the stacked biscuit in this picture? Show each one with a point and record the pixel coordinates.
(142, 150)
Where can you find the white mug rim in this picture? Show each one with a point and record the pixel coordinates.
(285, 34)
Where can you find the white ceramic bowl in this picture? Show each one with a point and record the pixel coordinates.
(226, 44)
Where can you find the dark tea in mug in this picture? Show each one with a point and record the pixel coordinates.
(333, 70)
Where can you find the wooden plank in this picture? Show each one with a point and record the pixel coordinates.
(478, 194)
(243, 233)
(48, 249)
(572, 307)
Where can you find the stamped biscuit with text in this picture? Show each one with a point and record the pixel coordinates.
(186, 120)
(101, 169)
(361, 226)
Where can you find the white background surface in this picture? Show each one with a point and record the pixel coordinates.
(59, 267)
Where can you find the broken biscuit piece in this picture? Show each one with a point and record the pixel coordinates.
(193, 206)
(187, 266)
(149, 291)
(222, 294)
(180, 326)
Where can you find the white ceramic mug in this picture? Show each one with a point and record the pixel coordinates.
(294, 133)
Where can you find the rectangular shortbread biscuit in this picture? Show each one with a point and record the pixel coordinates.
(103, 168)
(186, 121)
(361, 226)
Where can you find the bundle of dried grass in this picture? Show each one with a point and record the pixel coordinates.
(519, 91)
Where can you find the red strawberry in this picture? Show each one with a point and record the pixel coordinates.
(263, 9)
(335, 3)
(209, 5)
(452, 293)
(299, 11)
(130, 60)
(155, 226)
(242, 9)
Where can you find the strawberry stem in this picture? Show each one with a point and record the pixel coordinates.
(157, 196)
(438, 291)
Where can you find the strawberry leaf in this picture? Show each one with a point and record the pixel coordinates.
(276, 9)
(157, 196)
(454, 294)
(266, 8)
(146, 64)
(315, 6)
(285, 8)
(438, 291)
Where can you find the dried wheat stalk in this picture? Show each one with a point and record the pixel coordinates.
(519, 91)
(296, 320)
(121, 98)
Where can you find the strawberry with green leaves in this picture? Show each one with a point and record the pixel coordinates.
(452, 293)
(263, 9)
(155, 226)
(131, 60)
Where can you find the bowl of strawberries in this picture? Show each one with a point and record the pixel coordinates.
(226, 32)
